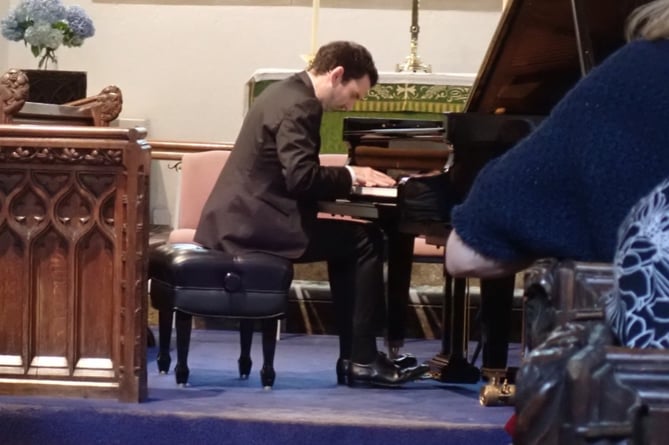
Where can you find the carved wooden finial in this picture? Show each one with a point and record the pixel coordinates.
(111, 103)
(13, 93)
(105, 106)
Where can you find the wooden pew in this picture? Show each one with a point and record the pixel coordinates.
(73, 264)
(575, 385)
(73, 239)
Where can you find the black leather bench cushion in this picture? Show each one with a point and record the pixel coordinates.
(208, 282)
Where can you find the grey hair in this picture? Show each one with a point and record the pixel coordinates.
(649, 22)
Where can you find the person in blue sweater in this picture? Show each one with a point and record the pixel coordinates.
(564, 190)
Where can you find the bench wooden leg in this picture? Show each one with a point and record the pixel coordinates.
(164, 338)
(245, 340)
(267, 373)
(183, 323)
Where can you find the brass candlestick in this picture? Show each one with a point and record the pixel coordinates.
(413, 62)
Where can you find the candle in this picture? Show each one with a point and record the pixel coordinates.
(314, 27)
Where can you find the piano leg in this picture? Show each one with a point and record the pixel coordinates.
(400, 258)
(496, 306)
(451, 364)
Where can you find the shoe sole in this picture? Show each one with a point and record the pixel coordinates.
(414, 376)
(369, 384)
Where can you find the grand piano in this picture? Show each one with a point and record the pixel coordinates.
(540, 49)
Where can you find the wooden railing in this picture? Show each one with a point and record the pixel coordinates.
(174, 150)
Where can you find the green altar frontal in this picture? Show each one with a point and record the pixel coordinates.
(396, 95)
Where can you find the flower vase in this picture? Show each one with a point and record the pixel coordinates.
(55, 86)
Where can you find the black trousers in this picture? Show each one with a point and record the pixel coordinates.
(354, 255)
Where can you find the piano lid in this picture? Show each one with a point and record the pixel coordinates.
(538, 53)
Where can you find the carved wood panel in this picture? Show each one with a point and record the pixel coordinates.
(73, 240)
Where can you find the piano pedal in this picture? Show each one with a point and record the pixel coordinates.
(500, 389)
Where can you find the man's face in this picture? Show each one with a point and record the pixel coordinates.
(343, 95)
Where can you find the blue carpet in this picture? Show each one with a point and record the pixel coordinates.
(304, 407)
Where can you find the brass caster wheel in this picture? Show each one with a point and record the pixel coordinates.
(489, 395)
(496, 394)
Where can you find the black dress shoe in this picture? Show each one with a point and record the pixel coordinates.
(404, 361)
(382, 372)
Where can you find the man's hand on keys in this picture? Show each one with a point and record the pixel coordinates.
(367, 176)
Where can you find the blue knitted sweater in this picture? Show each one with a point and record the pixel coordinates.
(564, 190)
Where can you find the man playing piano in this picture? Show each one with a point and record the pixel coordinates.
(265, 200)
(564, 190)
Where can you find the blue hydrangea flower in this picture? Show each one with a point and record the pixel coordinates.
(45, 11)
(44, 35)
(44, 25)
(80, 24)
(11, 28)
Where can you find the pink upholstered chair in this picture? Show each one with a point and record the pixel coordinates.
(199, 172)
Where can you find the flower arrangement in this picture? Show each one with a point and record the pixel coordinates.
(44, 25)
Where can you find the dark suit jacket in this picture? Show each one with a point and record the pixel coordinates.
(265, 199)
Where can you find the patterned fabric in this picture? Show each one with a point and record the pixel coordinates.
(638, 308)
(415, 98)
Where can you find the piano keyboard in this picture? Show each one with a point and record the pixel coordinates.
(359, 191)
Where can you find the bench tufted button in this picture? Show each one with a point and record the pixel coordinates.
(232, 282)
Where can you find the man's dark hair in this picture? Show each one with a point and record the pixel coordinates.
(354, 58)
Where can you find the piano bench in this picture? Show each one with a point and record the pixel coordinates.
(187, 280)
